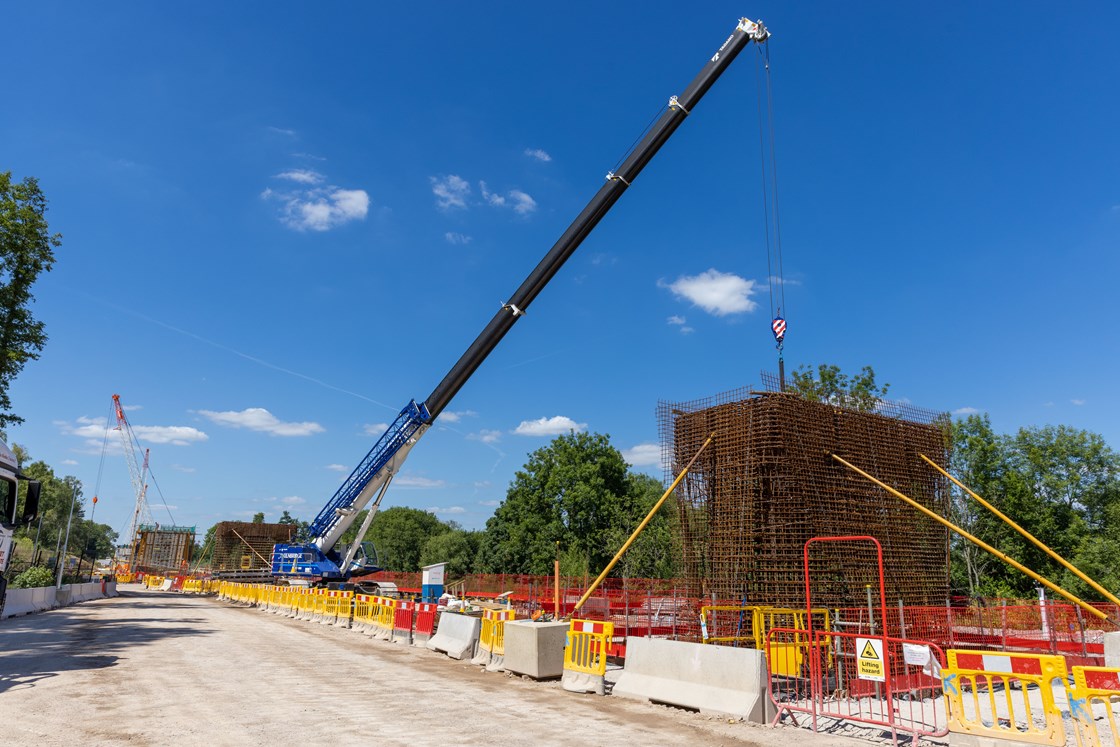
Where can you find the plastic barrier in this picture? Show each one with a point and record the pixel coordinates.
(1008, 716)
(456, 636)
(498, 641)
(343, 603)
(402, 622)
(491, 619)
(363, 613)
(386, 611)
(425, 624)
(1093, 690)
(585, 656)
(712, 679)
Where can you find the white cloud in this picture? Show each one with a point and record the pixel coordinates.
(415, 481)
(303, 176)
(965, 411)
(455, 417)
(337, 468)
(443, 510)
(485, 436)
(291, 500)
(718, 293)
(181, 468)
(317, 208)
(260, 419)
(375, 429)
(554, 426)
(1077, 402)
(538, 154)
(457, 238)
(132, 408)
(680, 322)
(69, 462)
(282, 131)
(451, 191)
(179, 435)
(489, 503)
(523, 204)
(482, 484)
(494, 199)
(643, 455)
(1047, 404)
(93, 430)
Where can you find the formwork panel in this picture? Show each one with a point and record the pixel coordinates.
(766, 484)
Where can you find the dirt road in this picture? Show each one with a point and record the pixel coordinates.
(163, 668)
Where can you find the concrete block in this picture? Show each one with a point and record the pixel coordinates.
(19, 602)
(711, 679)
(1112, 649)
(456, 636)
(535, 649)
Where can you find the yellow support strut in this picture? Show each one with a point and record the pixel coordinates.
(1037, 542)
(642, 526)
(978, 542)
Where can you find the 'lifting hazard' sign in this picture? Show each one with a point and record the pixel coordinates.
(870, 659)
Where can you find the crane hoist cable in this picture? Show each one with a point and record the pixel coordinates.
(775, 269)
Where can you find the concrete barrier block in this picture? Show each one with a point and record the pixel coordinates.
(1112, 649)
(456, 636)
(62, 595)
(535, 649)
(111, 589)
(19, 602)
(44, 598)
(711, 679)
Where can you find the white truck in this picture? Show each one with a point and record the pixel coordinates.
(10, 478)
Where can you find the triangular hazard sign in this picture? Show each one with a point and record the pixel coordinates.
(869, 652)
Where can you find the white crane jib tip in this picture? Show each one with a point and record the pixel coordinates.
(754, 29)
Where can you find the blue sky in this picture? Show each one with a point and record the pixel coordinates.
(283, 221)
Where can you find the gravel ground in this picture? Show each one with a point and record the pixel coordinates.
(154, 668)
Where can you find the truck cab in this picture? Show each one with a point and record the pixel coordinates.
(10, 478)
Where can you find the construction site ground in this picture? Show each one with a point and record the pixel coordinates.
(154, 668)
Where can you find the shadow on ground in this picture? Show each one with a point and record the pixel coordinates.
(36, 647)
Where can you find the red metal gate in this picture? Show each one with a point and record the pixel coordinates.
(864, 677)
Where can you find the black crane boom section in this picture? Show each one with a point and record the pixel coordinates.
(585, 222)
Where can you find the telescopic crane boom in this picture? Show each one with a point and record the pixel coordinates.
(384, 460)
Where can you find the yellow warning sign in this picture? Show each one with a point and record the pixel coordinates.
(870, 660)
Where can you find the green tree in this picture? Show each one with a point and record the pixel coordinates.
(656, 551)
(258, 517)
(400, 533)
(830, 385)
(578, 492)
(1060, 484)
(55, 500)
(457, 547)
(26, 250)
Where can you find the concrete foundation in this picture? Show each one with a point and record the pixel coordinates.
(535, 649)
(711, 679)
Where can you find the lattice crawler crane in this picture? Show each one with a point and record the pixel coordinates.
(141, 514)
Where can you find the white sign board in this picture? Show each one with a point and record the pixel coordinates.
(432, 575)
(869, 659)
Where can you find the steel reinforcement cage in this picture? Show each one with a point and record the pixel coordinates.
(242, 545)
(766, 484)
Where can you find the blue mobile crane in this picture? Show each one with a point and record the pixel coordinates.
(323, 559)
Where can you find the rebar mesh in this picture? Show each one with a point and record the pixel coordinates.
(242, 545)
(766, 484)
(162, 549)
